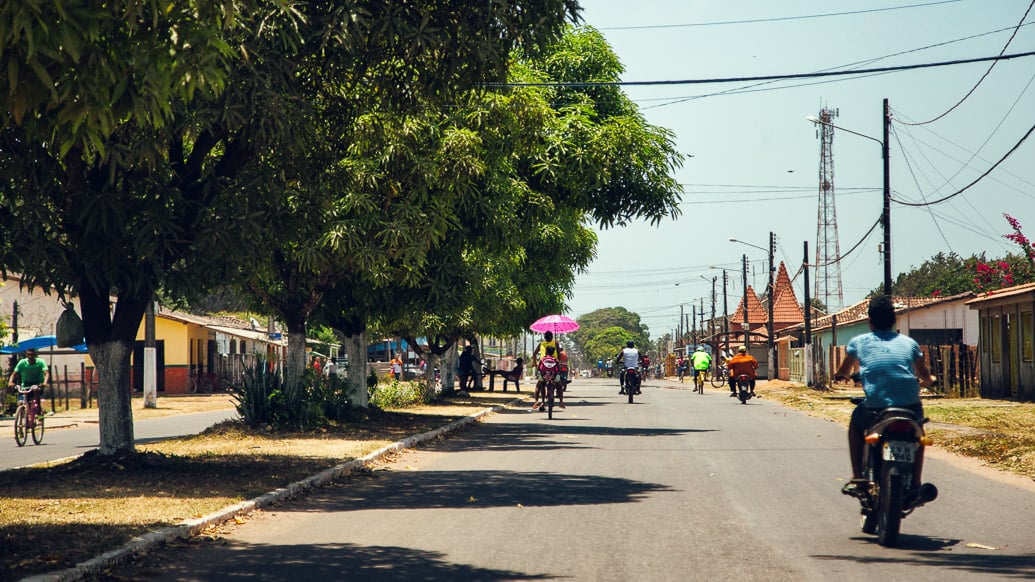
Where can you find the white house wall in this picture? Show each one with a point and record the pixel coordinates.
(950, 316)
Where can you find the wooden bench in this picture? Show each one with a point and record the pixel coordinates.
(511, 376)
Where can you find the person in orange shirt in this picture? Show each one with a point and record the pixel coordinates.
(742, 363)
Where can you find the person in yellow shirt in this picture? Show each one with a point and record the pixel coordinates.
(539, 354)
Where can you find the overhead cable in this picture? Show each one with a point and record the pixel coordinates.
(764, 77)
(987, 72)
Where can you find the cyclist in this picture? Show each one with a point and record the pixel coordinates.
(629, 358)
(742, 363)
(31, 372)
(701, 360)
(548, 343)
(681, 367)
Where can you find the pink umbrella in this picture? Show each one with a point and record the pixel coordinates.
(555, 324)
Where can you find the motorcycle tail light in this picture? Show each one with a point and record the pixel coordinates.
(926, 441)
(900, 426)
(872, 438)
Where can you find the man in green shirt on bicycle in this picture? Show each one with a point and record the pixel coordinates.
(30, 371)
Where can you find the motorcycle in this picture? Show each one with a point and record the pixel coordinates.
(893, 445)
(630, 383)
(744, 388)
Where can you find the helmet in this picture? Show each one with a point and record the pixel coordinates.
(742, 349)
(700, 348)
(629, 344)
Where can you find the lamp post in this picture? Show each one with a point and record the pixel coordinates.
(771, 355)
(886, 214)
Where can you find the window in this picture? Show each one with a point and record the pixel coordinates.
(995, 333)
(1027, 349)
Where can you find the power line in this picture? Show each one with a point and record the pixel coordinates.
(777, 18)
(820, 74)
(987, 72)
(976, 180)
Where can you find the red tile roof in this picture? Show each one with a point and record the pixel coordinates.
(786, 310)
(756, 313)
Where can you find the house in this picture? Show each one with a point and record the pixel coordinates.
(216, 346)
(931, 321)
(1006, 346)
(38, 312)
(787, 314)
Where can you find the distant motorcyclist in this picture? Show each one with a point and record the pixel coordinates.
(741, 364)
(628, 358)
(892, 369)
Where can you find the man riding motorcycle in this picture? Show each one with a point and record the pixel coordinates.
(741, 364)
(892, 370)
(628, 358)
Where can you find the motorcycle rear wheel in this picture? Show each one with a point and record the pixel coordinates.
(630, 390)
(890, 510)
(550, 390)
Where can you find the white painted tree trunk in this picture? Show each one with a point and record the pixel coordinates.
(115, 411)
(356, 348)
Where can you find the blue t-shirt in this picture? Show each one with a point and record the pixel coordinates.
(886, 366)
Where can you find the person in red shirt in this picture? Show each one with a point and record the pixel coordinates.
(742, 363)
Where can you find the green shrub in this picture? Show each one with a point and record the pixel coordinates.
(264, 398)
(396, 394)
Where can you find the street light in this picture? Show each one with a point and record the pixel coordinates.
(886, 215)
(769, 323)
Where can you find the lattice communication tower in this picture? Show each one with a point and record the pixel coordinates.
(828, 251)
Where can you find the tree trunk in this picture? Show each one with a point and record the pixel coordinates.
(295, 364)
(448, 370)
(110, 339)
(356, 348)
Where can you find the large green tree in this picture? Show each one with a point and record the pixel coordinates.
(555, 160)
(598, 336)
(145, 139)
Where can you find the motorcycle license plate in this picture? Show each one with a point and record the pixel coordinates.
(899, 451)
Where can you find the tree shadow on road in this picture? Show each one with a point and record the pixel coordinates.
(944, 554)
(309, 562)
(542, 434)
(407, 488)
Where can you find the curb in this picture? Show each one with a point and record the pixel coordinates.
(192, 527)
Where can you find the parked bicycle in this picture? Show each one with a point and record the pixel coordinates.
(28, 417)
(719, 376)
(201, 382)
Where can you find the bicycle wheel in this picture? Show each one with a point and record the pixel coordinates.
(192, 385)
(20, 422)
(719, 378)
(550, 389)
(37, 428)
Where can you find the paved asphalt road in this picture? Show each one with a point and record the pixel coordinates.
(677, 486)
(68, 442)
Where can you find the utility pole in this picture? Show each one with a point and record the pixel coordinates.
(693, 319)
(808, 320)
(886, 216)
(747, 325)
(150, 357)
(711, 324)
(772, 300)
(725, 313)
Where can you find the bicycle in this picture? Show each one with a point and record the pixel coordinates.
(201, 382)
(28, 416)
(719, 376)
(699, 381)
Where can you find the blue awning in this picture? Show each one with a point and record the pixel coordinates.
(38, 343)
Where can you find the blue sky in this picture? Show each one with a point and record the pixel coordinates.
(755, 158)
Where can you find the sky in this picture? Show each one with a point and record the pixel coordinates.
(753, 159)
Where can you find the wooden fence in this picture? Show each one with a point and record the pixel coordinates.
(955, 368)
